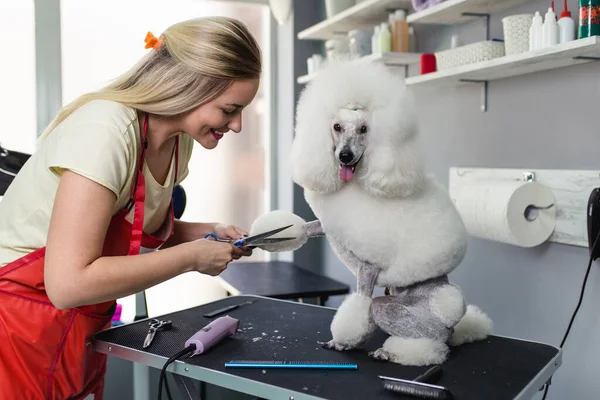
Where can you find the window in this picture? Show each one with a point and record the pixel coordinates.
(229, 184)
(17, 76)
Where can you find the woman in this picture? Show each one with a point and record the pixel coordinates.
(82, 217)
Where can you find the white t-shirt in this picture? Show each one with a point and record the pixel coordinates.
(101, 140)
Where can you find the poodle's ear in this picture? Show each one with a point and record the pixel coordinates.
(313, 166)
(393, 162)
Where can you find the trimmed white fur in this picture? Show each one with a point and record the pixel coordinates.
(475, 325)
(352, 321)
(415, 352)
(448, 304)
(277, 219)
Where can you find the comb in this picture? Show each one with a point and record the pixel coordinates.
(290, 364)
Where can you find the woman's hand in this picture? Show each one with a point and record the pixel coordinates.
(229, 231)
(211, 257)
(233, 232)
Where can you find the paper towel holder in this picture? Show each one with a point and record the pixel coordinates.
(532, 211)
(571, 189)
(529, 176)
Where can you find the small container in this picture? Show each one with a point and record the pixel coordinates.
(469, 54)
(413, 44)
(359, 42)
(375, 41)
(550, 29)
(385, 39)
(333, 7)
(428, 63)
(516, 33)
(589, 18)
(535, 32)
(566, 26)
(400, 33)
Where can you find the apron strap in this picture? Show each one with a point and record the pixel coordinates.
(139, 193)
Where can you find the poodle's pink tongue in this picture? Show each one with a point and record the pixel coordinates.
(346, 173)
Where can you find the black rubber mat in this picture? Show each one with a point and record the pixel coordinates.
(496, 368)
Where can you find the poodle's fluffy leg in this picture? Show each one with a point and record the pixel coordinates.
(420, 320)
(353, 322)
(475, 325)
(313, 229)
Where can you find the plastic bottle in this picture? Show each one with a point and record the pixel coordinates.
(392, 25)
(550, 29)
(375, 48)
(385, 38)
(400, 32)
(566, 25)
(535, 32)
(412, 40)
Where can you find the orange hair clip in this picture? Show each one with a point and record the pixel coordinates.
(152, 41)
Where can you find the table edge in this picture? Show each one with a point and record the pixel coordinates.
(207, 375)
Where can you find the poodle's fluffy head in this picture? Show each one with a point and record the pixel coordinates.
(355, 124)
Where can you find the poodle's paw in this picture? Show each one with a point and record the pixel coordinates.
(277, 219)
(411, 352)
(333, 345)
(353, 322)
(380, 354)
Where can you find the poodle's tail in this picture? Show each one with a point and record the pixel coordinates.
(474, 325)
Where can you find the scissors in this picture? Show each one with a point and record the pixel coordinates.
(256, 240)
(155, 325)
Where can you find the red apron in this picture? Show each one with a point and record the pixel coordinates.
(45, 353)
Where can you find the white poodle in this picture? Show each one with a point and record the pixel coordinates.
(357, 157)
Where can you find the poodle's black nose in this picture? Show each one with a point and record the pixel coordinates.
(346, 156)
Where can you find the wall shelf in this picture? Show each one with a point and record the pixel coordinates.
(389, 59)
(460, 11)
(559, 56)
(363, 15)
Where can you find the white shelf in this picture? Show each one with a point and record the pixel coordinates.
(562, 55)
(389, 59)
(363, 15)
(451, 11)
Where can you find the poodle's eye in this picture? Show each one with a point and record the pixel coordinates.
(363, 129)
(337, 127)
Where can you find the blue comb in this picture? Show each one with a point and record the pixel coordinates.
(290, 364)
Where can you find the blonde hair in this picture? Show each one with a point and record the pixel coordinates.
(197, 60)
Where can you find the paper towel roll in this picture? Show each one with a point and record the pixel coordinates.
(499, 210)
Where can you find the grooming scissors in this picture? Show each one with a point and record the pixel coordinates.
(256, 240)
(155, 325)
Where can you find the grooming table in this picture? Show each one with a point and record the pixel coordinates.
(272, 329)
(279, 280)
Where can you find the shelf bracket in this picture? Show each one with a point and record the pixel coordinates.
(486, 17)
(484, 92)
(591, 58)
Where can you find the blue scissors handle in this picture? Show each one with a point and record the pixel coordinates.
(237, 243)
(211, 235)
